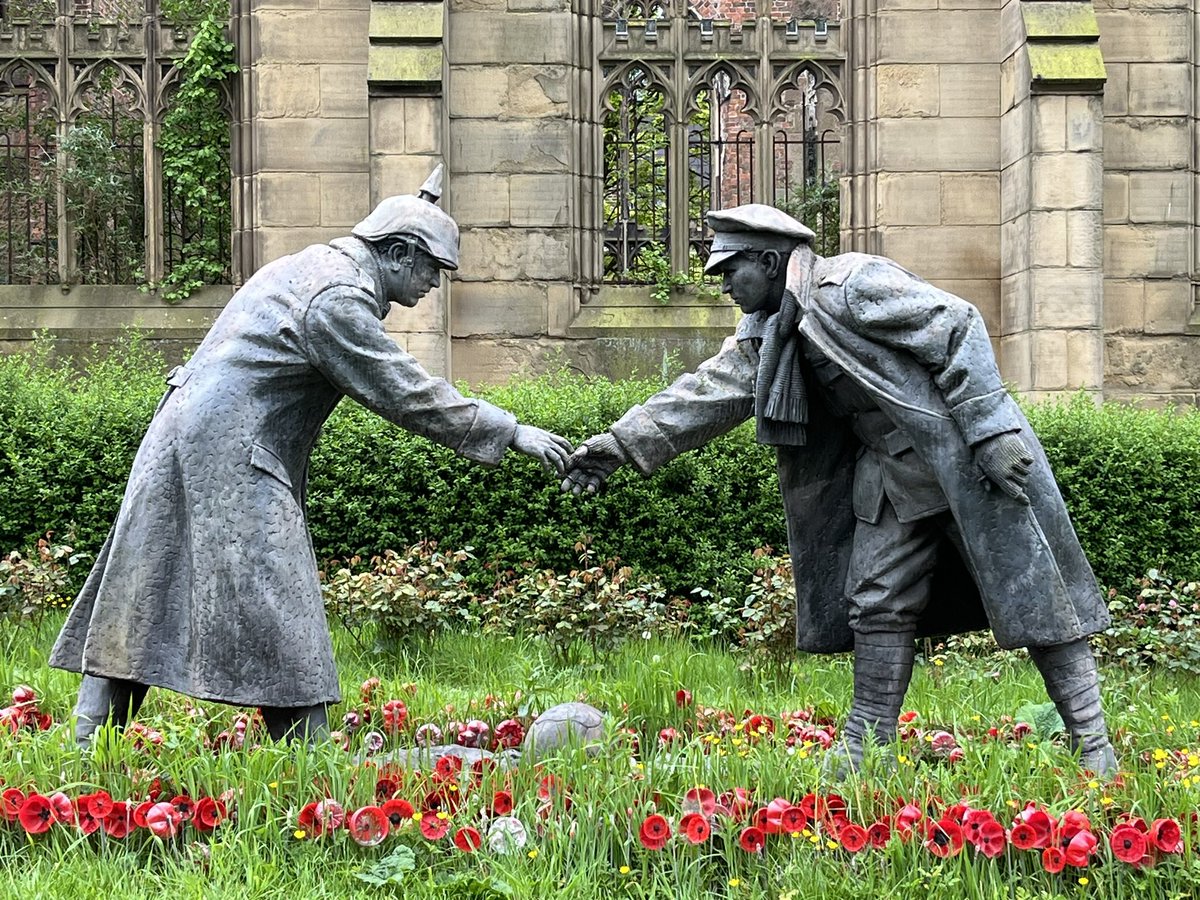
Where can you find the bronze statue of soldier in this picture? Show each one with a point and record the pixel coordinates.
(919, 502)
(207, 584)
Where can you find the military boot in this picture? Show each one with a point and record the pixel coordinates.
(883, 664)
(1073, 683)
(309, 723)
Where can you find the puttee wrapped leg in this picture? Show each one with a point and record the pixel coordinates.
(105, 700)
(883, 664)
(308, 723)
(1073, 683)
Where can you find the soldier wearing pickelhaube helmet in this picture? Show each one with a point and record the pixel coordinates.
(918, 500)
(207, 584)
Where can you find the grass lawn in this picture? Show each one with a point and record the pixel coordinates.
(583, 832)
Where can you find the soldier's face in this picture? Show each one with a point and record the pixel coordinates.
(750, 279)
(426, 275)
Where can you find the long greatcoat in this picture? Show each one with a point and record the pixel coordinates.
(207, 584)
(925, 357)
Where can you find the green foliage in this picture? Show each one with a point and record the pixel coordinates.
(195, 148)
(1156, 623)
(43, 580)
(818, 204)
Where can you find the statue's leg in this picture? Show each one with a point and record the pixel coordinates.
(891, 569)
(308, 723)
(105, 700)
(1073, 683)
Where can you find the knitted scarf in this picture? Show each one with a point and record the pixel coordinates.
(780, 401)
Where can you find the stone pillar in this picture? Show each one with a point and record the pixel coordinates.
(514, 146)
(1052, 338)
(923, 161)
(405, 76)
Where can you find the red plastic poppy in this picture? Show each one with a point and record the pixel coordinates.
(502, 803)
(655, 832)
(908, 817)
(944, 838)
(368, 826)
(83, 815)
(36, 814)
(1053, 860)
(119, 822)
(64, 809)
(399, 812)
(10, 803)
(208, 814)
(99, 804)
(163, 820)
(990, 839)
(185, 806)
(879, 833)
(793, 819)
(447, 768)
(752, 839)
(853, 837)
(1080, 849)
(386, 788)
(395, 714)
(683, 697)
(1041, 822)
(1023, 836)
(759, 726)
(1128, 844)
(1165, 835)
(1072, 823)
(467, 839)
(433, 826)
(695, 828)
(139, 812)
(700, 800)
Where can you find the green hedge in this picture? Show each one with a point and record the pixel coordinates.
(1131, 479)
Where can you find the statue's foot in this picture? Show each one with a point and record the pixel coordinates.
(843, 759)
(1099, 758)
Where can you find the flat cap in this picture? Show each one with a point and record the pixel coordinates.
(752, 226)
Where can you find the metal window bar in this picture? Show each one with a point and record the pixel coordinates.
(635, 189)
(30, 255)
(182, 231)
(802, 184)
(720, 173)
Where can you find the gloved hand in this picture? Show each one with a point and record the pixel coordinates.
(546, 447)
(589, 467)
(1006, 462)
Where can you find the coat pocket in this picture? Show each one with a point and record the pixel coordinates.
(178, 376)
(265, 460)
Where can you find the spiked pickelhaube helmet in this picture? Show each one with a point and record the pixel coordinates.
(416, 216)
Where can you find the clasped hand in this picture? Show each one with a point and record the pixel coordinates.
(589, 467)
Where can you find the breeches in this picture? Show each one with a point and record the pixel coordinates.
(891, 569)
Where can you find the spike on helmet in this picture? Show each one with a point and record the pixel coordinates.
(416, 216)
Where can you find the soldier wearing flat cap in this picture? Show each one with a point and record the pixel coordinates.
(918, 500)
(207, 584)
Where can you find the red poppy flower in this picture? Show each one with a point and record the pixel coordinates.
(1128, 844)
(1023, 836)
(509, 734)
(447, 768)
(64, 809)
(433, 826)
(758, 726)
(700, 800)
(990, 839)
(907, 819)
(835, 806)
(813, 806)
(752, 839)
(502, 803)
(308, 821)
(36, 814)
(139, 812)
(208, 814)
(793, 819)
(467, 839)
(163, 820)
(1166, 836)
(480, 768)
(655, 832)
(973, 821)
(184, 806)
(1053, 860)
(83, 815)
(119, 822)
(853, 837)
(943, 838)
(395, 714)
(957, 813)
(1072, 822)
(368, 826)
(399, 812)
(683, 697)
(1080, 848)
(879, 833)
(386, 787)
(695, 828)
(667, 736)
(735, 803)
(10, 803)
(1040, 821)
(905, 717)
(99, 804)
(475, 733)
